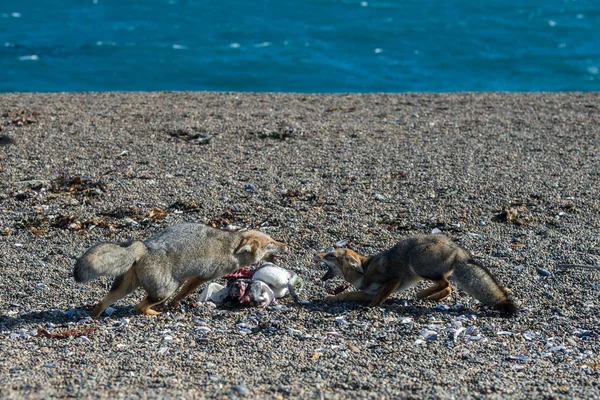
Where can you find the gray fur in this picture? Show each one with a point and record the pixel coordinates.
(170, 257)
(434, 257)
(431, 257)
(108, 259)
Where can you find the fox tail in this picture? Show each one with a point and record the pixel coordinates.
(111, 259)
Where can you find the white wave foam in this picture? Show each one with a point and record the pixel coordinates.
(234, 45)
(364, 4)
(108, 43)
(263, 44)
(377, 50)
(16, 15)
(552, 23)
(32, 57)
(179, 47)
(593, 70)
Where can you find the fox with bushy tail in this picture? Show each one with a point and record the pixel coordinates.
(177, 259)
(435, 258)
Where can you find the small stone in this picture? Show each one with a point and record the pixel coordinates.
(353, 348)
(528, 335)
(428, 335)
(520, 358)
(544, 272)
(436, 231)
(163, 350)
(342, 243)
(130, 221)
(240, 389)
(250, 188)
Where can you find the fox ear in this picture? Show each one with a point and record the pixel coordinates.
(247, 246)
(355, 264)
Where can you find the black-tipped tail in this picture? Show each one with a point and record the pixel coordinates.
(508, 308)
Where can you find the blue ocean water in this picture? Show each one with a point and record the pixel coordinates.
(300, 45)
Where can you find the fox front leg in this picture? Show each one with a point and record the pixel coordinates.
(359, 296)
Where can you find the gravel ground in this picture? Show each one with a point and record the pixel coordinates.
(512, 177)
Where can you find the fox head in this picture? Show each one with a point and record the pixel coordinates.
(256, 246)
(344, 263)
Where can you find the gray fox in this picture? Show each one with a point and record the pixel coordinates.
(432, 257)
(180, 257)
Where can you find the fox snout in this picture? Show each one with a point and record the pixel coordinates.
(330, 274)
(331, 271)
(282, 247)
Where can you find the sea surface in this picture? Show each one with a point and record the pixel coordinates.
(300, 45)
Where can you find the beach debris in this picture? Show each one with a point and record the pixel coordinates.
(214, 292)
(544, 272)
(6, 140)
(341, 288)
(157, 214)
(589, 365)
(515, 214)
(192, 135)
(347, 109)
(582, 266)
(67, 333)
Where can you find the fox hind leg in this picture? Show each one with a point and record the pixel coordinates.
(158, 292)
(144, 307)
(122, 286)
(439, 291)
(186, 289)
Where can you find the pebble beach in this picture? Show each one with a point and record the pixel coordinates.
(513, 178)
